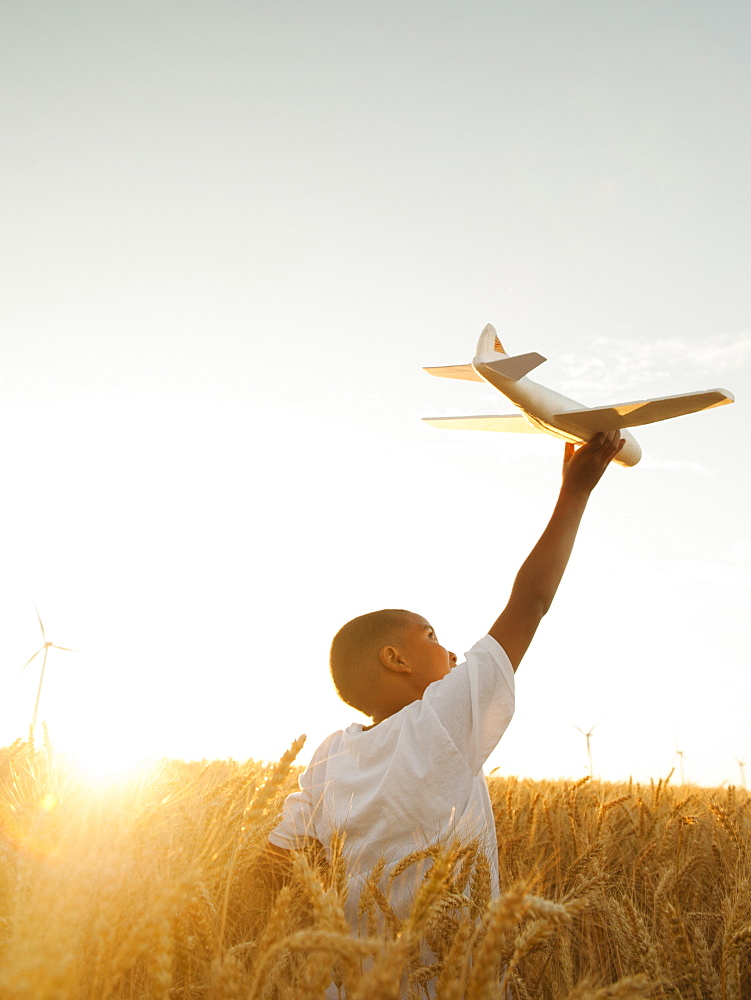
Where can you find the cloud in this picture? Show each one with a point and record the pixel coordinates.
(618, 365)
(724, 352)
(730, 569)
(741, 552)
(689, 572)
(678, 465)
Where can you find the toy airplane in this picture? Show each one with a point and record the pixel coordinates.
(544, 411)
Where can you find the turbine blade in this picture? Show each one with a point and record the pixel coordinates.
(29, 660)
(67, 649)
(39, 617)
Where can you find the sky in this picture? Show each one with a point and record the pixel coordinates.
(233, 234)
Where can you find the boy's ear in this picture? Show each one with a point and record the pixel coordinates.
(392, 659)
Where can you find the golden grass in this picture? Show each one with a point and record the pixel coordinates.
(153, 889)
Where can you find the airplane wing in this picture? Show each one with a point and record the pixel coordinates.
(456, 371)
(642, 411)
(514, 422)
(516, 367)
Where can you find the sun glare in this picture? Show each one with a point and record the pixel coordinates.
(104, 766)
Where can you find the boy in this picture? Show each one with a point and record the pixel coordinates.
(414, 777)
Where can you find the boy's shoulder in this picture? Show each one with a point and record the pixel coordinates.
(357, 743)
(486, 652)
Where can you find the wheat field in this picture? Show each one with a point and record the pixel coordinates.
(153, 888)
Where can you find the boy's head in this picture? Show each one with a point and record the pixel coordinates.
(384, 660)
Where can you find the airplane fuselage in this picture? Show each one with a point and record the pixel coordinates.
(540, 407)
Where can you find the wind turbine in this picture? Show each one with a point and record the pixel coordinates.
(44, 648)
(741, 762)
(588, 737)
(680, 754)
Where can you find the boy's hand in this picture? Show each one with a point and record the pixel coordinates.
(583, 467)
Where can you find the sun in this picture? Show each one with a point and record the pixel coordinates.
(103, 765)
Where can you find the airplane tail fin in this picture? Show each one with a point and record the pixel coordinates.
(491, 354)
(489, 347)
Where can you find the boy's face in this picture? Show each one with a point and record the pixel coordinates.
(427, 659)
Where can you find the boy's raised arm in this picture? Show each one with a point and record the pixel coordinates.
(538, 579)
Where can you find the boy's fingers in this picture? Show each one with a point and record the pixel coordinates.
(606, 443)
(607, 439)
(617, 442)
(614, 444)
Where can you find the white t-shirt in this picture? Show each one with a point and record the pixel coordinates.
(413, 780)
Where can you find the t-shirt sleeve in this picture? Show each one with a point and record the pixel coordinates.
(302, 809)
(475, 701)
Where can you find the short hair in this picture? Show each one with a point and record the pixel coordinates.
(354, 651)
